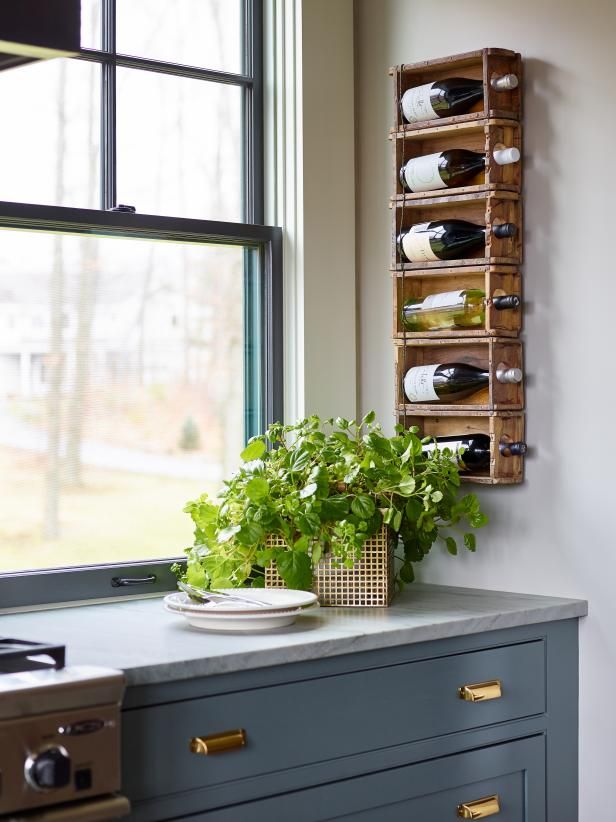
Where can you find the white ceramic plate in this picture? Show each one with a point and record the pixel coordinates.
(274, 601)
(248, 621)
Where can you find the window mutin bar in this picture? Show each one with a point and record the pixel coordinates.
(161, 67)
(252, 113)
(109, 175)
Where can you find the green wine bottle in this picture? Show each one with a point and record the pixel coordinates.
(452, 309)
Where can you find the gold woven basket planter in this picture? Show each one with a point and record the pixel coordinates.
(370, 582)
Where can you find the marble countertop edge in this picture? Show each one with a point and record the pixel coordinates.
(152, 646)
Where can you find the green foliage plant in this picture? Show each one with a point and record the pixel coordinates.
(326, 486)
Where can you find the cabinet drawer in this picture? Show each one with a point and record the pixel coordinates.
(429, 791)
(301, 723)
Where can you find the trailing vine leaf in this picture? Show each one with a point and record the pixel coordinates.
(363, 506)
(335, 508)
(308, 524)
(295, 569)
(407, 574)
(257, 489)
(308, 490)
(253, 450)
(407, 486)
(452, 546)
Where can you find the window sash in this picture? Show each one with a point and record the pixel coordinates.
(263, 309)
(250, 81)
(53, 586)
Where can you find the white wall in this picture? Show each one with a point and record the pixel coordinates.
(554, 533)
(310, 171)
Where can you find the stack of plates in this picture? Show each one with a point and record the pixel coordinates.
(273, 608)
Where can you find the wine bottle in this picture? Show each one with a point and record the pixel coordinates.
(446, 98)
(446, 240)
(452, 381)
(472, 451)
(452, 309)
(449, 169)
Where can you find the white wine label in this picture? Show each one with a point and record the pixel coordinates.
(419, 383)
(416, 244)
(445, 298)
(416, 104)
(422, 173)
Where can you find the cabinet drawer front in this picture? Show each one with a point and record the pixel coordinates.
(429, 791)
(301, 723)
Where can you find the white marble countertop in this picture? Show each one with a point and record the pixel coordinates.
(151, 645)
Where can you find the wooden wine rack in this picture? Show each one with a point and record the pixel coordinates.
(478, 135)
(487, 353)
(493, 197)
(478, 65)
(489, 207)
(502, 428)
(494, 280)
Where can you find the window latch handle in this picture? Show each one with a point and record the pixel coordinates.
(121, 582)
(127, 209)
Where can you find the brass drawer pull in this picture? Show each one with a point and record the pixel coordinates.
(217, 743)
(481, 691)
(480, 808)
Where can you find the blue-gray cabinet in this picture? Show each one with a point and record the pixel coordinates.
(377, 736)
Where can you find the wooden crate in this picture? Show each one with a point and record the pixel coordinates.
(480, 136)
(501, 427)
(484, 65)
(370, 582)
(493, 280)
(481, 208)
(487, 353)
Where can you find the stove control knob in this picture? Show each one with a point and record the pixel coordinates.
(48, 769)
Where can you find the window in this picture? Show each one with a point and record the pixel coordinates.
(138, 351)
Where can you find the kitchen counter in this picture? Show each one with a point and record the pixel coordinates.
(152, 646)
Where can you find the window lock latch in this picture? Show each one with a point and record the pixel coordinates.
(126, 209)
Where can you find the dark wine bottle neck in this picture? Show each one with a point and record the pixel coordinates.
(512, 449)
(506, 301)
(504, 230)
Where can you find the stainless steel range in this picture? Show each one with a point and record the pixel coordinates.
(59, 737)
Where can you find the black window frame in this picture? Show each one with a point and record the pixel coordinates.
(55, 586)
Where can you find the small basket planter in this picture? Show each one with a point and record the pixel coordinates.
(370, 582)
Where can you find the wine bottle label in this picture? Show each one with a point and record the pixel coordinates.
(416, 244)
(445, 298)
(419, 383)
(416, 105)
(422, 173)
